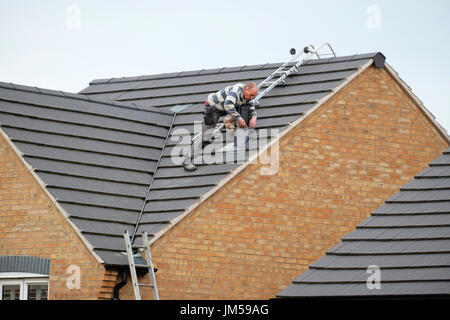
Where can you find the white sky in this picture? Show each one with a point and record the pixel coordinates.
(48, 44)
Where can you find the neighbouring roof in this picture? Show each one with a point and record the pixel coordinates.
(408, 238)
(27, 264)
(97, 157)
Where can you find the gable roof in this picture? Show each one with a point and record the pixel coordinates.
(408, 238)
(97, 157)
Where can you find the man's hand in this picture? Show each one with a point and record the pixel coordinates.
(252, 122)
(241, 123)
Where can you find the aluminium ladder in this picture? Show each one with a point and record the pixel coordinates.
(279, 75)
(289, 67)
(145, 247)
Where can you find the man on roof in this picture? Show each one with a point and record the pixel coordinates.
(225, 102)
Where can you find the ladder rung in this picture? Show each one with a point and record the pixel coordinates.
(148, 264)
(269, 83)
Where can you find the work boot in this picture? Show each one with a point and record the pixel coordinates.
(188, 166)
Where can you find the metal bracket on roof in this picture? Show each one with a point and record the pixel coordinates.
(180, 107)
(310, 49)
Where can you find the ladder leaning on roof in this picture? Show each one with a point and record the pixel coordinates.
(149, 264)
(289, 67)
(279, 75)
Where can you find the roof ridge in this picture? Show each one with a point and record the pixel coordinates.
(268, 65)
(177, 74)
(79, 96)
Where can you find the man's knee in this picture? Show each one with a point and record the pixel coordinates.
(205, 143)
(208, 116)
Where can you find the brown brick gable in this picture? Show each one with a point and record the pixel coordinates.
(31, 224)
(336, 166)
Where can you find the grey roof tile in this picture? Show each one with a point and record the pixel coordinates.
(86, 157)
(82, 144)
(188, 181)
(154, 217)
(423, 184)
(211, 71)
(80, 169)
(101, 213)
(108, 242)
(98, 199)
(90, 132)
(106, 227)
(150, 228)
(420, 196)
(86, 184)
(442, 160)
(180, 193)
(113, 86)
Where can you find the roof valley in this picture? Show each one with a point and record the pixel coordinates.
(155, 170)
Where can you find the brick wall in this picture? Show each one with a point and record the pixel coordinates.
(258, 232)
(30, 224)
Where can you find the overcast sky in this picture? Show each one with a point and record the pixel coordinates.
(65, 44)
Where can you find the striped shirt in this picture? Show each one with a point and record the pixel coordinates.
(228, 98)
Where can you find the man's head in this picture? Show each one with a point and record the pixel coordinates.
(250, 91)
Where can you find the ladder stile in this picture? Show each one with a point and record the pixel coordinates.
(151, 271)
(133, 274)
(145, 247)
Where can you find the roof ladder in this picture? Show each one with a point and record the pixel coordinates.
(289, 67)
(279, 75)
(148, 257)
